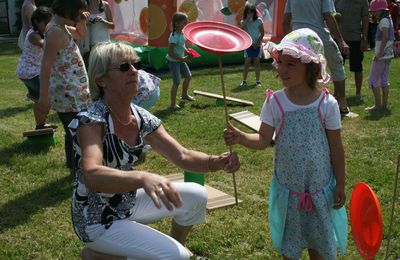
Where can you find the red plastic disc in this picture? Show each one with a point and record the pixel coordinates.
(217, 37)
(366, 220)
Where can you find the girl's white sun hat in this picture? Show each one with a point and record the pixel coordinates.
(303, 44)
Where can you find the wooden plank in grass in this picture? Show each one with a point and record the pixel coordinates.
(216, 198)
(220, 97)
(45, 131)
(248, 119)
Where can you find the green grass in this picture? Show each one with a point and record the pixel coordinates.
(35, 186)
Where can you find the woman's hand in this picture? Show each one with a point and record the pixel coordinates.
(160, 188)
(231, 135)
(339, 197)
(232, 163)
(227, 161)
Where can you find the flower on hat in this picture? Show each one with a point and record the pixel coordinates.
(303, 44)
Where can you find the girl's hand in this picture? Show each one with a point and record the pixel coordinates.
(231, 135)
(377, 57)
(339, 197)
(99, 19)
(160, 188)
(186, 58)
(84, 17)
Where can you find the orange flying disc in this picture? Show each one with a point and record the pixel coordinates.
(366, 220)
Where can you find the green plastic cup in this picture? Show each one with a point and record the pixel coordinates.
(194, 177)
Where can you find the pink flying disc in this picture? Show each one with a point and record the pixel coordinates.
(366, 220)
(217, 37)
(193, 53)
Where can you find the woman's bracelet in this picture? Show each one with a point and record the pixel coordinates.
(209, 163)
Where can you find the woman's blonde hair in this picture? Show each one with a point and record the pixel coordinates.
(101, 56)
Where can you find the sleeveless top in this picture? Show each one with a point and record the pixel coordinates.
(68, 83)
(96, 210)
(301, 213)
(30, 60)
(98, 31)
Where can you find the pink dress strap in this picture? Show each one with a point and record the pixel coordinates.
(268, 94)
(326, 94)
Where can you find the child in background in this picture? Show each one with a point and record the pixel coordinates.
(63, 77)
(384, 37)
(100, 22)
(177, 58)
(253, 25)
(28, 68)
(307, 191)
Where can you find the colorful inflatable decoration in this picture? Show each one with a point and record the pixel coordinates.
(146, 24)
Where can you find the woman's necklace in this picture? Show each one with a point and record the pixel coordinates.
(120, 121)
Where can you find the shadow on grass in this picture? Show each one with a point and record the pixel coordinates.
(354, 101)
(23, 148)
(19, 211)
(375, 115)
(166, 112)
(240, 88)
(12, 111)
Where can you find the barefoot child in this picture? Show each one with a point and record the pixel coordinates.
(177, 59)
(307, 192)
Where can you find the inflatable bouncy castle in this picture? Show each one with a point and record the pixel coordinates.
(146, 24)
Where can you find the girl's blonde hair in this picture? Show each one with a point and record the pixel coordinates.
(101, 56)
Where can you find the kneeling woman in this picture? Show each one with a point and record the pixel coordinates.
(112, 203)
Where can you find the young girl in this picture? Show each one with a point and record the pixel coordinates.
(253, 25)
(63, 77)
(379, 76)
(177, 58)
(307, 191)
(28, 68)
(100, 22)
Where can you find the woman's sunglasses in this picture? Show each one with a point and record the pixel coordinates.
(124, 67)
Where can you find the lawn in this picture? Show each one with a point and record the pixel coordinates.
(35, 185)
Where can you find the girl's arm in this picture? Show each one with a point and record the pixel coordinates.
(261, 30)
(54, 41)
(36, 39)
(190, 160)
(385, 38)
(109, 22)
(79, 30)
(338, 164)
(27, 14)
(101, 178)
(260, 140)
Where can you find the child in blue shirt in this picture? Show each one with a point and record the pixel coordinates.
(177, 58)
(253, 25)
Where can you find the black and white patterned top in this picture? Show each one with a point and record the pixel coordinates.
(96, 209)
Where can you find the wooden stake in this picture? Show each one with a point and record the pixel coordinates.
(227, 119)
(393, 206)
